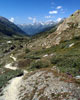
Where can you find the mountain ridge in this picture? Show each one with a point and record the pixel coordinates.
(8, 28)
(35, 28)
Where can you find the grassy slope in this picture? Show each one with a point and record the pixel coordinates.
(66, 58)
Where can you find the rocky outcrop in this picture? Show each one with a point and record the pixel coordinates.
(68, 29)
(48, 85)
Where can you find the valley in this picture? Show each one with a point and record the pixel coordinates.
(45, 66)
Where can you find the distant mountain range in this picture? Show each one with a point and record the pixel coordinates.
(8, 28)
(32, 29)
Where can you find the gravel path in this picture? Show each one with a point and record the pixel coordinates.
(11, 91)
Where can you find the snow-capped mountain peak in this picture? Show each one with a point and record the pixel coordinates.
(37, 27)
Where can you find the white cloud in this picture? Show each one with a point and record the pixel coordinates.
(30, 18)
(59, 19)
(59, 7)
(11, 19)
(48, 17)
(53, 12)
(33, 19)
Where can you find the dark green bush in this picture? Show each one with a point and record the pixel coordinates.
(34, 57)
(76, 38)
(38, 65)
(27, 50)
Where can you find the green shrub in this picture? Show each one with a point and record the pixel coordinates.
(66, 64)
(5, 77)
(24, 63)
(27, 50)
(33, 57)
(76, 38)
(38, 65)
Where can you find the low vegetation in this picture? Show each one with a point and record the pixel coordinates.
(66, 58)
(68, 64)
(27, 50)
(9, 74)
(38, 65)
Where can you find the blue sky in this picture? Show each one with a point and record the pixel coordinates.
(30, 11)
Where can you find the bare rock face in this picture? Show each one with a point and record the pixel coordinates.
(48, 85)
(73, 19)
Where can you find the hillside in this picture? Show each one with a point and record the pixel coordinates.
(8, 28)
(68, 29)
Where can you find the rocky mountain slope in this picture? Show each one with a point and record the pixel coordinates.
(67, 30)
(45, 85)
(8, 28)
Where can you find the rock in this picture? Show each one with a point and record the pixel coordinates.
(51, 54)
(9, 66)
(77, 77)
(45, 55)
(9, 42)
(71, 45)
(11, 56)
(44, 85)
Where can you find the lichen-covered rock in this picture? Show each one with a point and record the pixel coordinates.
(47, 85)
